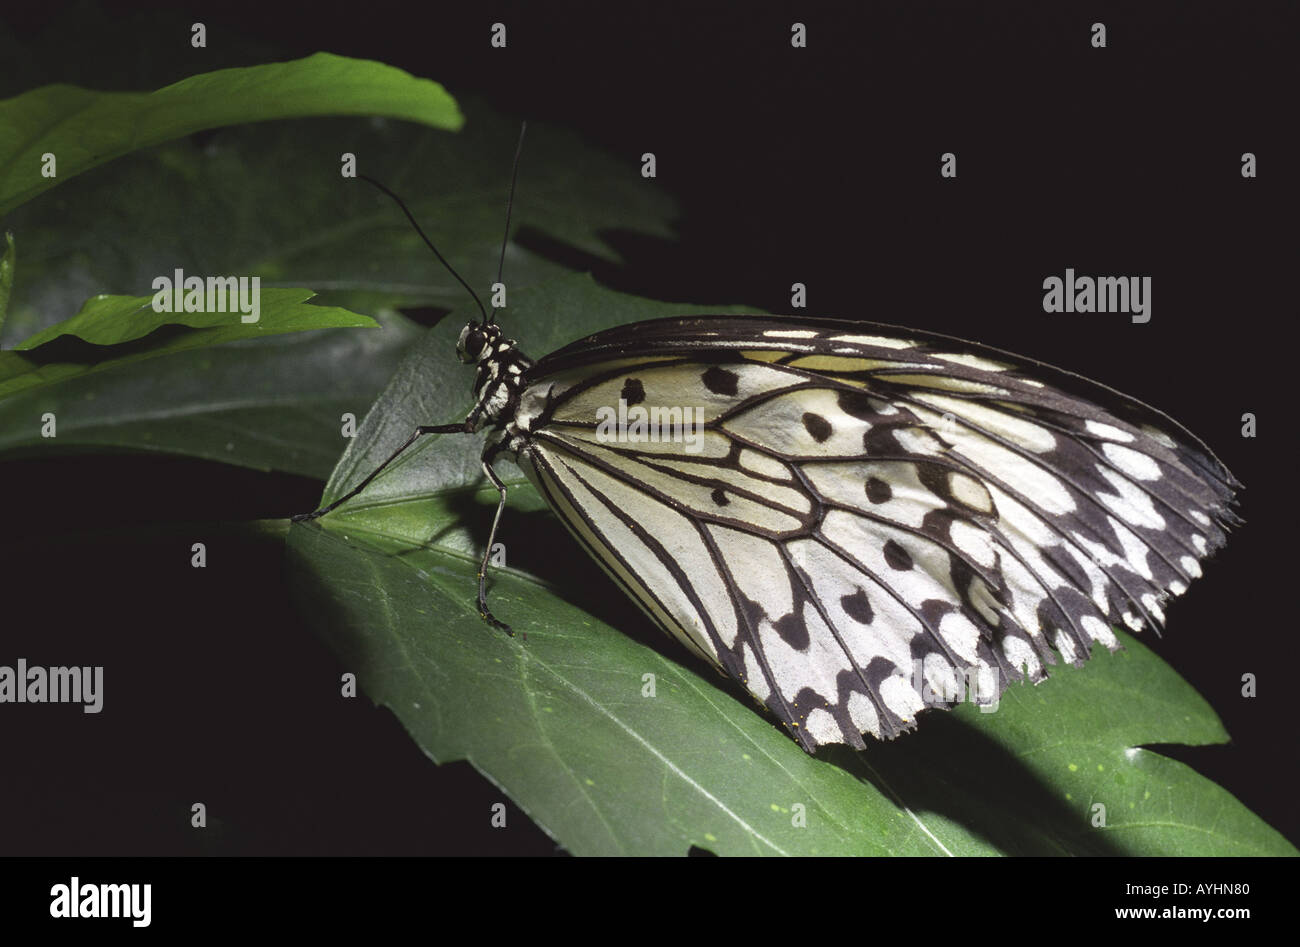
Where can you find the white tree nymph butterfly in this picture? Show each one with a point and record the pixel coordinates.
(865, 516)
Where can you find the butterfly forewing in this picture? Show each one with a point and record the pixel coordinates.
(867, 519)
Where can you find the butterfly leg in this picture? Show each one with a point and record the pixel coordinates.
(483, 610)
(462, 427)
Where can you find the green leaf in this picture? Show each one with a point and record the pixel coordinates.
(559, 720)
(132, 322)
(231, 208)
(112, 320)
(6, 275)
(83, 128)
(272, 403)
(560, 723)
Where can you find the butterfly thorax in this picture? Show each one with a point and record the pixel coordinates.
(498, 376)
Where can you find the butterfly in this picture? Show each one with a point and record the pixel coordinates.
(851, 520)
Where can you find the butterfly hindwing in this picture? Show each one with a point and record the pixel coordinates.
(869, 518)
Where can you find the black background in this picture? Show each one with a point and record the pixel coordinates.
(817, 165)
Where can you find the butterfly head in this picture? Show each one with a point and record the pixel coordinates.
(476, 340)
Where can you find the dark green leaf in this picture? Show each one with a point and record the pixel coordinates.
(6, 275)
(112, 320)
(132, 321)
(83, 128)
(274, 403)
(559, 721)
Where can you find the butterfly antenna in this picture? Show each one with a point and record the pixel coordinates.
(428, 242)
(510, 200)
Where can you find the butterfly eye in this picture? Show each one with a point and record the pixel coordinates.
(471, 342)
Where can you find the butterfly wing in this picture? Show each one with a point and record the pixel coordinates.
(870, 517)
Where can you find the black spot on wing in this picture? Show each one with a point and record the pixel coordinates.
(720, 381)
(878, 491)
(633, 391)
(897, 557)
(858, 607)
(879, 439)
(817, 426)
(936, 479)
(792, 630)
(857, 405)
(720, 496)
